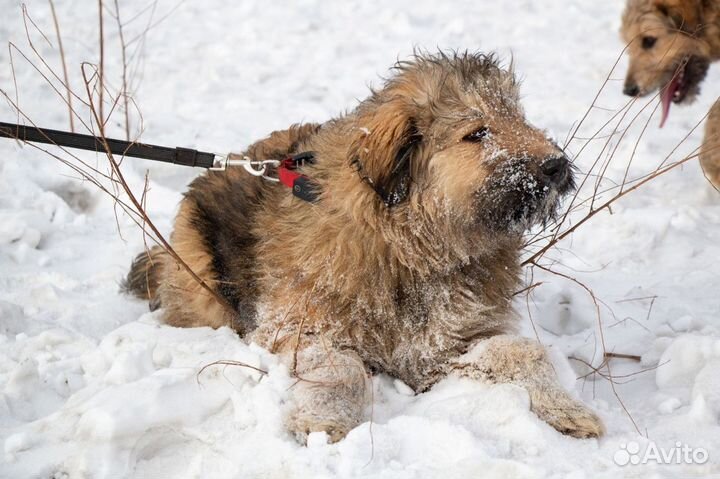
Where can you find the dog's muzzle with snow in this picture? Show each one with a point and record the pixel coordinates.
(523, 192)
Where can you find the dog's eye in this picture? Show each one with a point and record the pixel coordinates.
(477, 135)
(648, 42)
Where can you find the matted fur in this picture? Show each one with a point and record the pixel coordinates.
(687, 36)
(407, 261)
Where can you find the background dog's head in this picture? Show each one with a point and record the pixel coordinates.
(446, 138)
(667, 49)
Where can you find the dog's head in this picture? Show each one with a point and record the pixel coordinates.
(446, 137)
(667, 48)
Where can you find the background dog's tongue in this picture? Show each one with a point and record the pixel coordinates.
(666, 98)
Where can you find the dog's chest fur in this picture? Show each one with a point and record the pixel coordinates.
(410, 329)
(435, 320)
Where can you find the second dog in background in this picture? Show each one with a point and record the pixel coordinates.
(671, 44)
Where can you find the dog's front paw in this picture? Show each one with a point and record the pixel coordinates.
(567, 415)
(578, 422)
(301, 425)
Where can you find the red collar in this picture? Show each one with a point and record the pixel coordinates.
(302, 186)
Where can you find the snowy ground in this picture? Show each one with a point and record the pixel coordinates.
(93, 386)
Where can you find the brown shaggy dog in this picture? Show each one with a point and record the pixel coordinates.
(671, 44)
(406, 262)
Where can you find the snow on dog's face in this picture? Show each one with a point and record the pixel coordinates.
(447, 138)
(667, 50)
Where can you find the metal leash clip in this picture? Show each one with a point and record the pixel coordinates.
(254, 167)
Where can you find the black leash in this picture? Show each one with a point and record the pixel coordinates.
(177, 156)
(302, 186)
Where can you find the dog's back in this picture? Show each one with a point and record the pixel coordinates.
(214, 236)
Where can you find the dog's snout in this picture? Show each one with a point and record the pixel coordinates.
(555, 168)
(631, 89)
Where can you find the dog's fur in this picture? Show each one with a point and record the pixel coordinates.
(668, 38)
(407, 261)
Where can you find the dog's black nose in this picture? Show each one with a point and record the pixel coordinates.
(555, 168)
(631, 89)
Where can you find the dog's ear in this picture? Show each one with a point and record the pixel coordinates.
(684, 15)
(386, 141)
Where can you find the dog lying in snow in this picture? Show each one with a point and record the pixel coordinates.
(405, 264)
(671, 44)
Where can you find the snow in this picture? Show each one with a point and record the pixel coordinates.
(94, 386)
